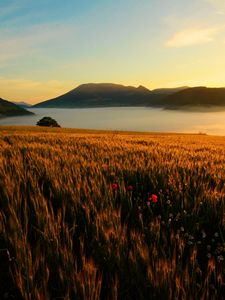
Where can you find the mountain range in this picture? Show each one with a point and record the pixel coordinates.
(112, 95)
(108, 95)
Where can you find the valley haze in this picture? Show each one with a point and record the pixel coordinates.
(97, 95)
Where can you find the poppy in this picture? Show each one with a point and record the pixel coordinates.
(114, 186)
(154, 198)
(130, 188)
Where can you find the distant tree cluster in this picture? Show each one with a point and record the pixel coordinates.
(48, 122)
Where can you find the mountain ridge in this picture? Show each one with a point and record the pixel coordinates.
(92, 95)
(99, 95)
(8, 109)
(106, 95)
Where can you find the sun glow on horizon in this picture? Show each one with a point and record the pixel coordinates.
(48, 48)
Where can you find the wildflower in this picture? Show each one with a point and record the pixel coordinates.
(154, 198)
(130, 188)
(114, 186)
(203, 235)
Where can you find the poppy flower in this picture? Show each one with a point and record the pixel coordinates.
(130, 188)
(154, 198)
(114, 186)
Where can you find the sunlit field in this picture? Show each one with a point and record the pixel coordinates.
(111, 215)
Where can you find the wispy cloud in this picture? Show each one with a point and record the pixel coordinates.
(219, 6)
(15, 44)
(193, 36)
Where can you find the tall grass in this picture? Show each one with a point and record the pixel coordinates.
(76, 223)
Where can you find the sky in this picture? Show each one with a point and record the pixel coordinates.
(48, 47)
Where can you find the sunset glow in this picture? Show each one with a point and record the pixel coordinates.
(50, 47)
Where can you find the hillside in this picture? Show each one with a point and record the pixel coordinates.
(109, 95)
(169, 91)
(8, 109)
(22, 104)
(195, 97)
(100, 95)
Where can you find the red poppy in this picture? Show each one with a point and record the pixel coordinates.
(154, 198)
(114, 186)
(130, 188)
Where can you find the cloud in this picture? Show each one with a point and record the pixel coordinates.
(219, 6)
(193, 36)
(16, 44)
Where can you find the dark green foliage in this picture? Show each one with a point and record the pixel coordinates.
(47, 122)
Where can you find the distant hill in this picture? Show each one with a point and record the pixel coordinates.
(169, 91)
(22, 104)
(195, 97)
(10, 109)
(100, 95)
(114, 95)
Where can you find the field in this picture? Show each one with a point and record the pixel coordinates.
(111, 215)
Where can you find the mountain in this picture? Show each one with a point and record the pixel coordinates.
(8, 109)
(197, 97)
(100, 95)
(169, 91)
(22, 104)
(109, 95)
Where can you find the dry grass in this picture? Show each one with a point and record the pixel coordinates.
(70, 228)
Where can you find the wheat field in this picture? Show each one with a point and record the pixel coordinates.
(111, 215)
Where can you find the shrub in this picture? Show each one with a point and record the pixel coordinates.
(48, 122)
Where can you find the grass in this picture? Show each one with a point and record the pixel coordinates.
(77, 220)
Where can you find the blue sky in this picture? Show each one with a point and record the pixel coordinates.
(49, 47)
